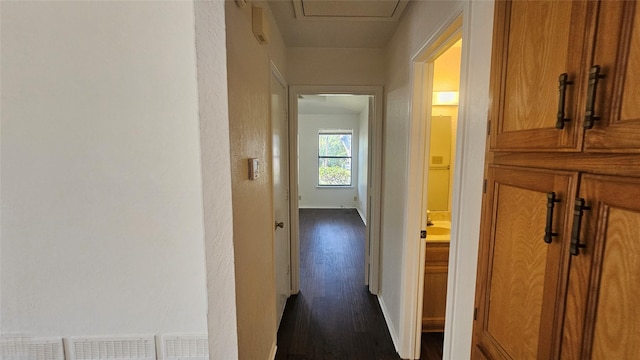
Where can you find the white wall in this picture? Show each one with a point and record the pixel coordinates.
(216, 176)
(102, 220)
(363, 162)
(472, 125)
(312, 196)
(420, 21)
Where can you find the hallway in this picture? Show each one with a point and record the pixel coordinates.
(334, 316)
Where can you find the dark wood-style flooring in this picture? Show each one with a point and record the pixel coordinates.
(334, 316)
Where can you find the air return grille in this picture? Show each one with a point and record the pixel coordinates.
(117, 348)
(183, 347)
(46, 349)
(25, 348)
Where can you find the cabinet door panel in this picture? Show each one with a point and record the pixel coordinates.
(519, 273)
(617, 100)
(435, 298)
(603, 314)
(535, 42)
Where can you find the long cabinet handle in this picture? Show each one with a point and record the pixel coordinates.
(589, 116)
(548, 230)
(562, 95)
(578, 211)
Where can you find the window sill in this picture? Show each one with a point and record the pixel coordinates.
(335, 187)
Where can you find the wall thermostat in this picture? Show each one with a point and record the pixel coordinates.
(254, 169)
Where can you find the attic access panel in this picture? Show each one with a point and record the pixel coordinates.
(358, 10)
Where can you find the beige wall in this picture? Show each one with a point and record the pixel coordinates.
(335, 66)
(250, 134)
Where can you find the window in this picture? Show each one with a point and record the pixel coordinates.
(334, 158)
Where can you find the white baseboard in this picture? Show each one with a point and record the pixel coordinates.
(325, 207)
(392, 331)
(274, 349)
(364, 220)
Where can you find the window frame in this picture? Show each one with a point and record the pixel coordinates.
(350, 156)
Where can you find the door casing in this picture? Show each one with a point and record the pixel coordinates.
(374, 179)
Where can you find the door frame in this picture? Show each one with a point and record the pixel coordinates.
(374, 178)
(420, 112)
(276, 75)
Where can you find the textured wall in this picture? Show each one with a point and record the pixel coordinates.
(336, 66)
(250, 137)
(102, 229)
(309, 126)
(216, 178)
(420, 21)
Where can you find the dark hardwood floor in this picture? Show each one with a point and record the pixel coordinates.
(334, 316)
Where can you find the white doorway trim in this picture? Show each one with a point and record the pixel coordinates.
(374, 186)
(420, 111)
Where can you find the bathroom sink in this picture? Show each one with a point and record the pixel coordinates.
(438, 230)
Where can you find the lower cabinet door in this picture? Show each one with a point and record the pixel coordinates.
(602, 318)
(523, 263)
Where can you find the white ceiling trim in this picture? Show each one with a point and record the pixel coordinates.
(300, 14)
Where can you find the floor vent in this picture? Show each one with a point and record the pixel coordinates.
(183, 347)
(116, 348)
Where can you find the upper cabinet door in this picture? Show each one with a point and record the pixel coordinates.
(602, 319)
(519, 293)
(615, 113)
(533, 106)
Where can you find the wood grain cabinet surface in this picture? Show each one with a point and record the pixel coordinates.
(559, 255)
(435, 286)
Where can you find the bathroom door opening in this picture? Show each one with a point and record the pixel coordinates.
(436, 75)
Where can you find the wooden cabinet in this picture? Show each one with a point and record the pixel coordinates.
(603, 302)
(597, 46)
(522, 268)
(435, 286)
(616, 100)
(559, 259)
(536, 42)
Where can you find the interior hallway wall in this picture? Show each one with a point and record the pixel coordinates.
(335, 66)
(363, 161)
(216, 178)
(420, 21)
(313, 196)
(102, 222)
(250, 137)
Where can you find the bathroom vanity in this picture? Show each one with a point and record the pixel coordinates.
(435, 283)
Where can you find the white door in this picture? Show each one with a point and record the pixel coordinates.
(280, 171)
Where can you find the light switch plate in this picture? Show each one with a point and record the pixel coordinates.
(254, 169)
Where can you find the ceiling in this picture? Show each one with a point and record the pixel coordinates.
(337, 23)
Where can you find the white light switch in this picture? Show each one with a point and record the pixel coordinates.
(254, 169)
